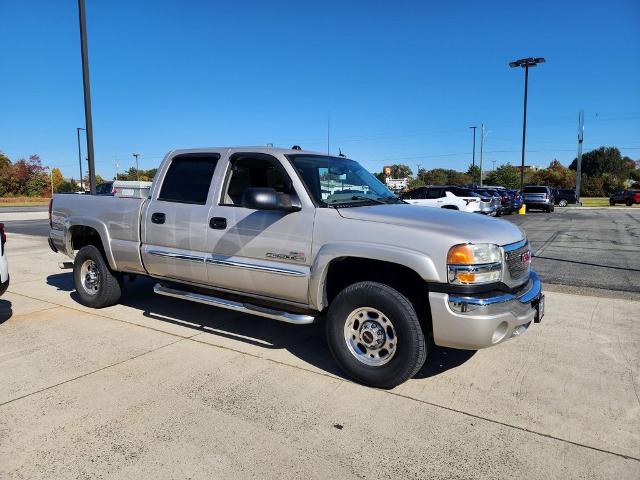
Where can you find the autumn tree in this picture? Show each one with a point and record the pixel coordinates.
(56, 178)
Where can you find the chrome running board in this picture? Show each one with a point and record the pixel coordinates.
(297, 318)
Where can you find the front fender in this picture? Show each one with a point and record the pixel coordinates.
(422, 264)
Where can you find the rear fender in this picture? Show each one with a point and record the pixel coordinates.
(99, 227)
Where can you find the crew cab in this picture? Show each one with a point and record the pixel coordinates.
(298, 236)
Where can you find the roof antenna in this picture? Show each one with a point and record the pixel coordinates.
(340, 154)
(296, 147)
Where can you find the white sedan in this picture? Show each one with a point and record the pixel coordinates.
(450, 197)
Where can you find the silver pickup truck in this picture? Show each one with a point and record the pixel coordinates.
(299, 236)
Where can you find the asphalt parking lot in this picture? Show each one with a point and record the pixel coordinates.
(582, 251)
(162, 388)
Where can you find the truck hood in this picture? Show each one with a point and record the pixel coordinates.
(467, 227)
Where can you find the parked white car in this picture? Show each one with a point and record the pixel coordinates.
(4, 266)
(450, 197)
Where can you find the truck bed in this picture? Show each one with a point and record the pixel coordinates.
(116, 219)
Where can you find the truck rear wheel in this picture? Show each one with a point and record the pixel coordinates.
(96, 284)
(374, 335)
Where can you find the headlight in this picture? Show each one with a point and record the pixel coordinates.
(470, 264)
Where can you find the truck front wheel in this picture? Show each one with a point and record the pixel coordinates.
(374, 335)
(96, 284)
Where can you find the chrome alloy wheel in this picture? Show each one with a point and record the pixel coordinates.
(370, 336)
(90, 277)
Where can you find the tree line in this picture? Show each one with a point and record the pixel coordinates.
(27, 177)
(604, 170)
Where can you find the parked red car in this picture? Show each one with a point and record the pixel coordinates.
(628, 197)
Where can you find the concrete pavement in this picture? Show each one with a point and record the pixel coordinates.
(158, 387)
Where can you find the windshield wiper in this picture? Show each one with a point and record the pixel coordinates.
(363, 197)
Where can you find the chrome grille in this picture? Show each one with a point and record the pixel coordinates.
(513, 258)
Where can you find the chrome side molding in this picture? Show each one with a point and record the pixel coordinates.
(219, 260)
(297, 318)
(179, 256)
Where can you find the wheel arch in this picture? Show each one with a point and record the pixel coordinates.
(86, 231)
(337, 266)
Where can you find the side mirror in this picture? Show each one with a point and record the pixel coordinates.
(258, 198)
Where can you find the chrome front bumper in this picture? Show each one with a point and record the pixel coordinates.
(473, 322)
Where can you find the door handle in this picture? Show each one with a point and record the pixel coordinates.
(218, 223)
(158, 218)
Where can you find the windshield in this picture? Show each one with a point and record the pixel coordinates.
(340, 182)
(535, 190)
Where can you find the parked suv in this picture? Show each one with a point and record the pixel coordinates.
(564, 196)
(450, 197)
(4, 267)
(628, 197)
(537, 196)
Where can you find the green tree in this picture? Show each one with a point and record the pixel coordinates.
(437, 176)
(143, 175)
(592, 186)
(415, 183)
(505, 175)
(605, 160)
(474, 172)
(399, 170)
(380, 176)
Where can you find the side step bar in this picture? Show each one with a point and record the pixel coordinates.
(299, 319)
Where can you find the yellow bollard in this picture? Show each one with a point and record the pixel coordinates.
(523, 209)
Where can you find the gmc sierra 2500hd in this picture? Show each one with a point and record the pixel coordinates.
(297, 236)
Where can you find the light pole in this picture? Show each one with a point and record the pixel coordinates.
(80, 155)
(473, 160)
(525, 63)
(136, 155)
(87, 95)
(481, 150)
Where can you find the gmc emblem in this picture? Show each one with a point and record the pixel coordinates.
(525, 257)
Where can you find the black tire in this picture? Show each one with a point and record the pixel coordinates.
(612, 202)
(629, 203)
(411, 349)
(107, 289)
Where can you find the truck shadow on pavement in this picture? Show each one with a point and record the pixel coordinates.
(5, 311)
(307, 342)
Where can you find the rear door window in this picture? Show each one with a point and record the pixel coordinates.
(188, 179)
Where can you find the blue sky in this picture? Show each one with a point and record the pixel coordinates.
(400, 81)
